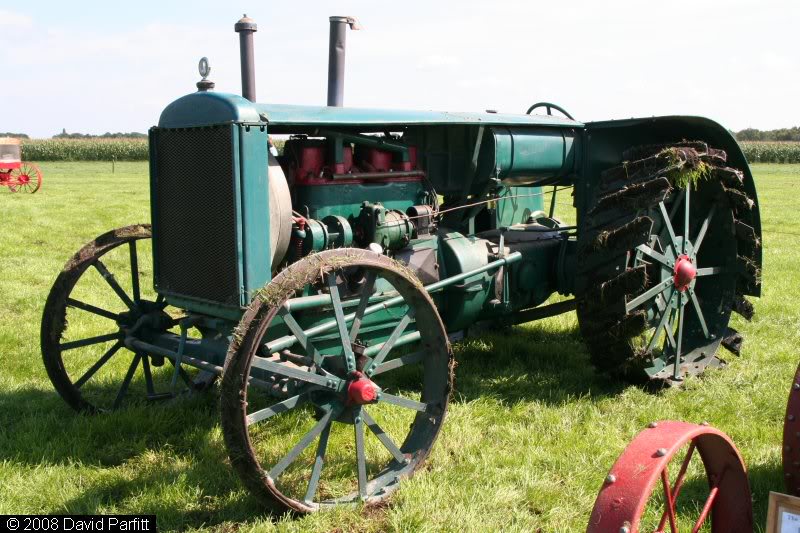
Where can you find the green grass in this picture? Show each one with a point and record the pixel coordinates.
(529, 437)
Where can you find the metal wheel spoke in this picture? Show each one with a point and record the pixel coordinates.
(676, 488)
(669, 502)
(92, 309)
(678, 347)
(302, 338)
(112, 282)
(293, 372)
(661, 258)
(281, 407)
(700, 318)
(385, 439)
(95, 367)
(127, 381)
(404, 402)
(647, 295)
(668, 330)
(347, 348)
(89, 341)
(298, 448)
(702, 233)
(148, 376)
(712, 495)
(675, 206)
(668, 224)
(369, 285)
(182, 373)
(134, 272)
(361, 458)
(708, 271)
(403, 360)
(686, 218)
(661, 323)
(389, 344)
(319, 461)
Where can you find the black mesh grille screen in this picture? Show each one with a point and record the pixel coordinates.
(195, 214)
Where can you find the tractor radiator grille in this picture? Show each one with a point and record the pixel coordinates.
(194, 214)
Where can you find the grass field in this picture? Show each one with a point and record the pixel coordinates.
(529, 437)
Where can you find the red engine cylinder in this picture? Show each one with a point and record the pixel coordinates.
(373, 160)
(308, 159)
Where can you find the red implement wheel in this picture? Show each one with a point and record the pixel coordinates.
(637, 495)
(791, 439)
(26, 178)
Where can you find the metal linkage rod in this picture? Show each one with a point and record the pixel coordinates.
(289, 340)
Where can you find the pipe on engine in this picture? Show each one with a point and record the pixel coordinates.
(336, 55)
(246, 27)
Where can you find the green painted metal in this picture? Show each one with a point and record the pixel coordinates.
(519, 155)
(253, 184)
(345, 199)
(461, 303)
(390, 229)
(526, 202)
(206, 108)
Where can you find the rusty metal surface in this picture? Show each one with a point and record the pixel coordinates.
(791, 438)
(636, 473)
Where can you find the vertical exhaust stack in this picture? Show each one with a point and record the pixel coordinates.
(246, 27)
(336, 54)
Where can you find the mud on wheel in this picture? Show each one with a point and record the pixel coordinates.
(359, 364)
(668, 252)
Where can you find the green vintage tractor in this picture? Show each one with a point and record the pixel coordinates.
(324, 281)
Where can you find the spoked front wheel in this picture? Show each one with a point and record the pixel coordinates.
(362, 353)
(103, 294)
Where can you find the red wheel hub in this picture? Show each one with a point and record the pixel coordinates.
(684, 273)
(361, 390)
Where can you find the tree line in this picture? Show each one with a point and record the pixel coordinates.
(783, 134)
(106, 135)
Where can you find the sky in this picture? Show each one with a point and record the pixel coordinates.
(97, 66)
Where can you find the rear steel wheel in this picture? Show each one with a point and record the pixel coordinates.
(26, 178)
(371, 349)
(96, 300)
(667, 254)
(639, 494)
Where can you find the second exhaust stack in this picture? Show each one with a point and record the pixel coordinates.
(336, 54)
(246, 27)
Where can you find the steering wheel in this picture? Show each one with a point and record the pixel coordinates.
(549, 108)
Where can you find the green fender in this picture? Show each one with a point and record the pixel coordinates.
(606, 140)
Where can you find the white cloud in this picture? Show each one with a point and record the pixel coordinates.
(10, 19)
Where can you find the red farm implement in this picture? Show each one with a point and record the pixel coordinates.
(16, 174)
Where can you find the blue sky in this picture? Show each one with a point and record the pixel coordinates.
(96, 66)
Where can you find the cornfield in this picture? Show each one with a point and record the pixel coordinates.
(84, 149)
(136, 150)
(771, 152)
